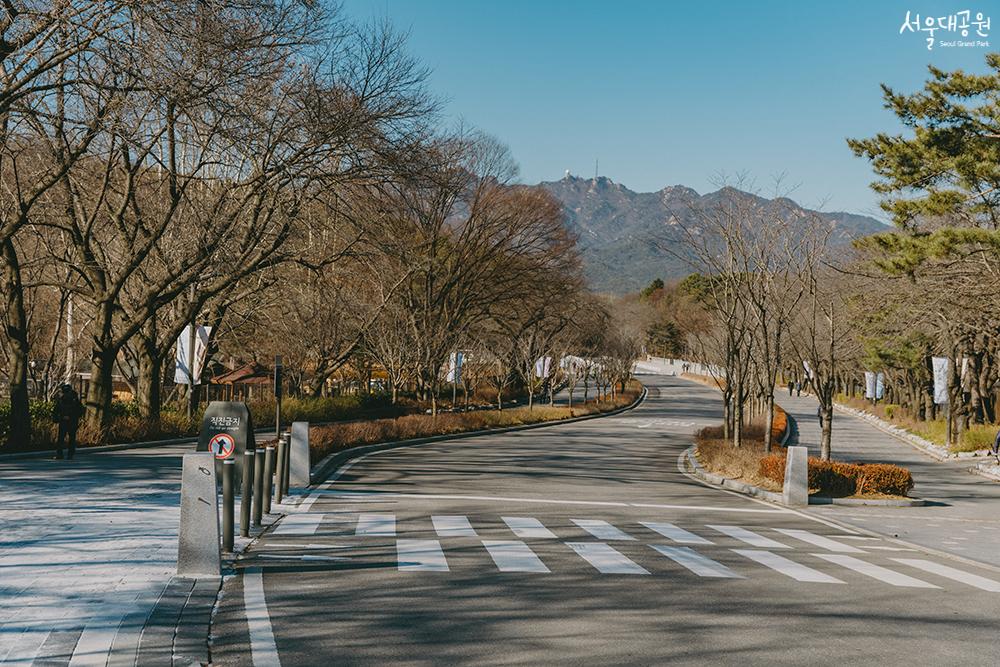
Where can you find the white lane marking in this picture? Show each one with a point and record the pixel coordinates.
(263, 650)
(514, 556)
(875, 571)
(605, 558)
(453, 526)
(299, 524)
(694, 561)
(301, 557)
(880, 548)
(382, 525)
(425, 555)
(749, 537)
(527, 527)
(292, 545)
(962, 576)
(359, 496)
(820, 541)
(602, 530)
(675, 533)
(787, 567)
(857, 537)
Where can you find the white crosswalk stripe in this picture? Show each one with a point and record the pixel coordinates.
(875, 571)
(381, 525)
(962, 576)
(602, 530)
(820, 541)
(694, 561)
(425, 555)
(453, 526)
(749, 537)
(527, 527)
(514, 556)
(675, 533)
(299, 524)
(605, 558)
(787, 567)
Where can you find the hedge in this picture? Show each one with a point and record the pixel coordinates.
(838, 479)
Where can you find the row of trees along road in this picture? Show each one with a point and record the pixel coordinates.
(276, 172)
(772, 299)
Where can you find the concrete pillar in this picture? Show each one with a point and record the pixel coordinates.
(198, 546)
(299, 472)
(796, 490)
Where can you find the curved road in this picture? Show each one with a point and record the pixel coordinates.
(585, 544)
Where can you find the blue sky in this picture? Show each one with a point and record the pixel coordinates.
(667, 93)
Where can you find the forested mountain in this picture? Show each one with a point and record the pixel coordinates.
(624, 235)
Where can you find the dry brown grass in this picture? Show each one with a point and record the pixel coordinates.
(743, 464)
(336, 437)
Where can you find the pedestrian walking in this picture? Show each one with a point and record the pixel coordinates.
(790, 385)
(67, 412)
(798, 388)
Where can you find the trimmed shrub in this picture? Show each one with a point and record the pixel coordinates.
(839, 479)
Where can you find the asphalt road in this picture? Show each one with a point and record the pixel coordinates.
(584, 544)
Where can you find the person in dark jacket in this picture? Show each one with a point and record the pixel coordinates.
(67, 412)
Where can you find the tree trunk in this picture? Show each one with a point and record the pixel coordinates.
(768, 423)
(17, 335)
(149, 382)
(825, 439)
(100, 391)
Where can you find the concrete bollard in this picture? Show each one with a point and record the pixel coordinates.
(299, 456)
(246, 493)
(198, 544)
(284, 478)
(268, 477)
(796, 489)
(228, 503)
(258, 486)
(281, 469)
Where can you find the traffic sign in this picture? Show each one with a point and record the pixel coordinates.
(222, 445)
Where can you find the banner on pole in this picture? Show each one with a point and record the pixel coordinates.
(455, 367)
(181, 373)
(542, 367)
(869, 384)
(941, 366)
(809, 371)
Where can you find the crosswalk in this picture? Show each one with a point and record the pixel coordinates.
(532, 547)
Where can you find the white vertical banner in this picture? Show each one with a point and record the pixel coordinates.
(809, 371)
(455, 367)
(542, 367)
(941, 366)
(181, 374)
(879, 386)
(869, 384)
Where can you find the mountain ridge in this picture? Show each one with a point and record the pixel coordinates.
(621, 232)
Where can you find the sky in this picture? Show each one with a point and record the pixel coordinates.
(664, 92)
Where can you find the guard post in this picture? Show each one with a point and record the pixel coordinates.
(282, 446)
(268, 477)
(228, 504)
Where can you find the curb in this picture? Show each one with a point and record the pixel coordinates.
(329, 464)
(775, 497)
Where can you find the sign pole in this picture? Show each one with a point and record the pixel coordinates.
(278, 368)
(191, 342)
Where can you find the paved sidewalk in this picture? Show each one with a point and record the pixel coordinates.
(88, 553)
(963, 512)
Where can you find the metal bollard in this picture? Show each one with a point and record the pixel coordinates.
(258, 485)
(228, 504)
(281, 469)
(268, 477)
(246, 493)
(286, 468)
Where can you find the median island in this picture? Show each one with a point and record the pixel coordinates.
(750, 464)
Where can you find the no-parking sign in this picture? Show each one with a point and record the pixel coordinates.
(222, 445)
